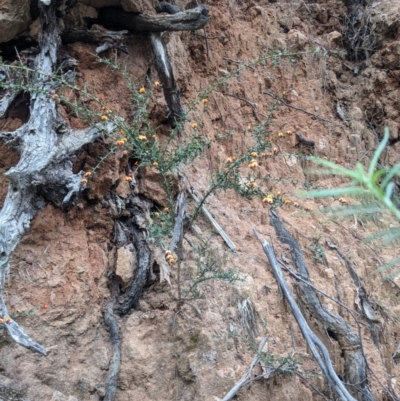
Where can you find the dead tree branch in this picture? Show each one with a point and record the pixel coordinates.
(316, 346)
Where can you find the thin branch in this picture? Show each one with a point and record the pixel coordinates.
(298, 108)
(245, 378)
(220, 231)
(254, 108)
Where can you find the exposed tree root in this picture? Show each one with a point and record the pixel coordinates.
(44, 172)
(189, 20)
(316, 346)
(115, 364)
(355, 364)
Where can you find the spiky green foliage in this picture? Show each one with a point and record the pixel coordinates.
(374, 189)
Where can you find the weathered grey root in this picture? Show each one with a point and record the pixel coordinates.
(245, 378)
(96, 35)
(355, 364)
(166, 74)
(115, 364)
(316, 346)
(44, 172)
(132, 231)
(189, 20)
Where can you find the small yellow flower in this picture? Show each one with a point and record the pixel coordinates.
(249, 127)
(344, 201)
(171, 261)
(166, 209)
(287, 202)
(272, 138)
(229, 160)
(239, 249)
(268, 200)
(8, 320)
(308, 208)
(252, 184)
(156, 214)
(253, 164)
(142, 90)
(155, 164)
(295, 204)
(281, 134)
(104, 118)
(154, 137)
(194, 125)
(120, 142)
(204, 101)
(254, 154)
(122, 132)
(142, 138)
(83, 181)
(275, 151)
(157, 84)
(87, 174)
(263, 154)
(289, 132)
(55, 97)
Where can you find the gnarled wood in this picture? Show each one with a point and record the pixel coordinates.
(96, 35)
(316, 346)
(189, 20)
(44, 172)
(350, 342)
(166, 74)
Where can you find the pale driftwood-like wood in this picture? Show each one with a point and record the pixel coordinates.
(189, 20)
(220, 231)
(166, 74)
(245, 378)
(316, 346)
(350, 342)
(44, 172)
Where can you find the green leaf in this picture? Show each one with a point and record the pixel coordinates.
(378, 153)
(332, 192)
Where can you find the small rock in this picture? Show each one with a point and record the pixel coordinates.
(126, 264)
(296, 39)
(334, 38)
(14, 18)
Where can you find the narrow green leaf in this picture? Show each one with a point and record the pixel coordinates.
(395, 170)
(393, 232)
(332, 192)
(387, 266)
(378, 153)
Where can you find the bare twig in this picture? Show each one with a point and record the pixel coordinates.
(253, 106)
(298, 108)
(245, 378)
(220, 231)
